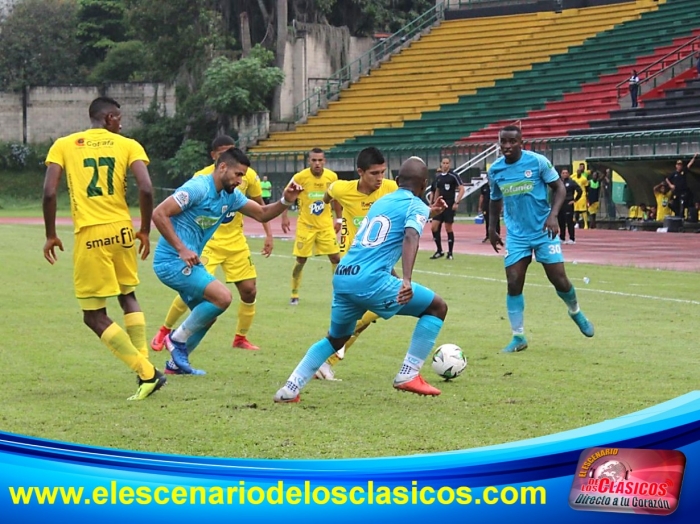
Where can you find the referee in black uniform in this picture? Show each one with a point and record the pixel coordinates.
(447, 185)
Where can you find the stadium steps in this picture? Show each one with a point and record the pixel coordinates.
(606, 53)
(456, 59)
(676, 108)
(576, 110)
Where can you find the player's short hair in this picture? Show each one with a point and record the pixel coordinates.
(222, 140)
(233, 156)
(512, 127)
(316, 150)
(102, 105)
(370, 156)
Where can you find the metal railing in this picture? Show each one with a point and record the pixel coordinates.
(654, 71)
(475, 185)
(354, 70)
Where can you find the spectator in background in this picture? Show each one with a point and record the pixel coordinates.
(634, 88)
(581, 204)
(663, 195)
(566, 213)
(484, 201)
(593, 196)
(266, 187)
(678, 182)
(607, 184)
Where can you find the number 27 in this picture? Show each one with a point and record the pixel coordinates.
(93, 189)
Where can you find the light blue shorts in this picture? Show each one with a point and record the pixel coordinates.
(189, 282)
(347, 308)
(547, 250)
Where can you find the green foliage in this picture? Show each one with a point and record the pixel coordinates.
(18, 157)
(38, 45)
(124, 62)
(160, 135)
(101, 24)
(241, 87)
(190, 157)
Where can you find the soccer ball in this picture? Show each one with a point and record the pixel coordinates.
(449, 361)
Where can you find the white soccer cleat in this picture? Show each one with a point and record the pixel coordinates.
(325, 372)
(341, 353)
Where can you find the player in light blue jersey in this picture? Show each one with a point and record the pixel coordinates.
(519, 181)
(363, 281)
(186, 221)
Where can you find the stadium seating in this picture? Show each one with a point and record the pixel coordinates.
(613, 51)
(453, 80)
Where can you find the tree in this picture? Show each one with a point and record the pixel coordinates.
(101, 24)
(242, 87)
(125, 62)
(38, 45)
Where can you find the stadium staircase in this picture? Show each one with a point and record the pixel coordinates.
(461, 76)
(676, 108)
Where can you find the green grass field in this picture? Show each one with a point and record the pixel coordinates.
(60, 382)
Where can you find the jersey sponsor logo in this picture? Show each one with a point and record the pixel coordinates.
(316, 194)
(517, 188)
(125, 238)
(80, 142)
(317, 207)
(228, 217)
(421, 219)
(107, 142)
(182, 198)
(528, 173)
(357, 221)
(206, 222)
(353, 269)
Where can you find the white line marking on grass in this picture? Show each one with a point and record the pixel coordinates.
(503, 281)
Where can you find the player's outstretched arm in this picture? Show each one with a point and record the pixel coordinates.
(143, 182)
(51, 180)
(409, 251)
(264, 213)
(161, 218)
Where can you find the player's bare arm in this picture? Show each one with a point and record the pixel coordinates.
(408, 259)
(551, 225)
(51, 180)
(285, 219)
(338, 210)
(269, 243)
(161, 218)
(265, 213)
(143, 181)
(495, 207)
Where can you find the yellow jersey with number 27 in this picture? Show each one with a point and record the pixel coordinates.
(95, 162)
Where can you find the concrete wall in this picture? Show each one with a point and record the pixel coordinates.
(311, 57)
(61, 110)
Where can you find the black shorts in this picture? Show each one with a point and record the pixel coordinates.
(447, 216)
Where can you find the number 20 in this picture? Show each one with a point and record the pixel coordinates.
(93, 189)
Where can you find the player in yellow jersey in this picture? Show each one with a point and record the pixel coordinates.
(581, 205)
(356, 197)
(316, 233)
(104, 256)
(229, 249)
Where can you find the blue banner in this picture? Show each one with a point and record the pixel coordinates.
(536, 480)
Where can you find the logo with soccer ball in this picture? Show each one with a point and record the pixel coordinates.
(449, 361)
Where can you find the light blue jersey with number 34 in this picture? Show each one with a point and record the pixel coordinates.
(378, 244)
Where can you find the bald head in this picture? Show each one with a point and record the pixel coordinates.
(413, 175)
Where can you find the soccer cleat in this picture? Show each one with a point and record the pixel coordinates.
(583, 323)
(418, 386)
(241, 342)
(294, 301)
(178, 352)
(449, 256)
(518, 343)
(325, 372)
(148, 387)
(158, 341)
(284, 396)
(172, 369)
(340, 353)
(436, 255)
